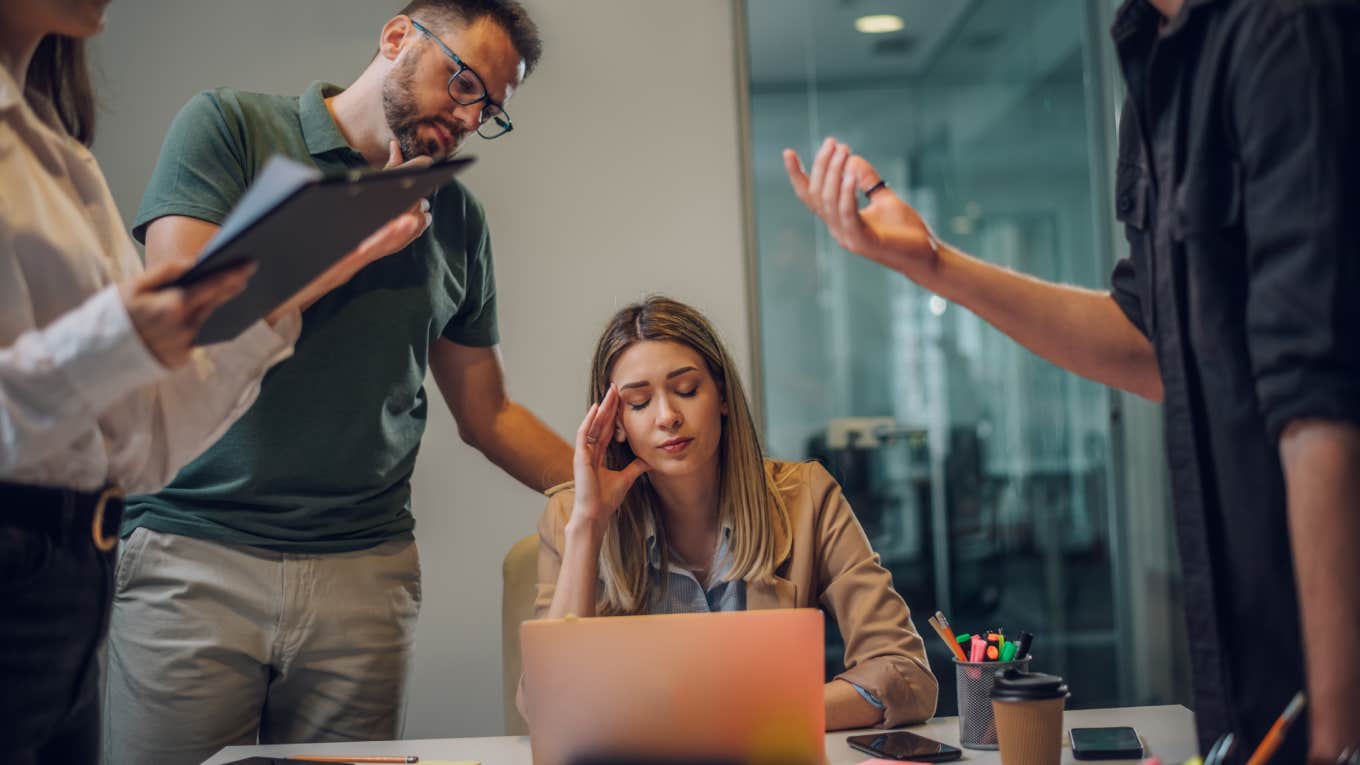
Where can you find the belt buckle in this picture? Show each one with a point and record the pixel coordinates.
(104, 543)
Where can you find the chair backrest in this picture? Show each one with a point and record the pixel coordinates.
(519, 575)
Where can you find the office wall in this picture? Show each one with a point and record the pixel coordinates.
(622, 177)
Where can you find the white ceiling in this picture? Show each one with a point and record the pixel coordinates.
(791, 38)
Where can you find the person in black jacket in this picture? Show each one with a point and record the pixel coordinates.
(1239, 187)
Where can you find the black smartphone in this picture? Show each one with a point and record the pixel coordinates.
(1105, 743)
(904, 745)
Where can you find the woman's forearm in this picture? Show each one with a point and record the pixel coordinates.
(576, 582)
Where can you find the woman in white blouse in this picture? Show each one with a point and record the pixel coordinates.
(101, 390)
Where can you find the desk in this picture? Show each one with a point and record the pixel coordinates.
(1168, 732)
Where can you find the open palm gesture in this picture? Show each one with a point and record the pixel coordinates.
(888, 231)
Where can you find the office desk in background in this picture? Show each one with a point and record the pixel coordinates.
(1168, 732)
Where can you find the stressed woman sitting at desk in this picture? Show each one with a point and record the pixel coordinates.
(675, 509)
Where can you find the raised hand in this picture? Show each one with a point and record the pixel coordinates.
(888, 231)
(600, 490)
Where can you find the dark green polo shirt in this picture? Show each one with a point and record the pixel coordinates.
(322, 461)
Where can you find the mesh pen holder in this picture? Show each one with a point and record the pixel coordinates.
(977, 728)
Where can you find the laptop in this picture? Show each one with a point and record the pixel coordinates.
(737, 687)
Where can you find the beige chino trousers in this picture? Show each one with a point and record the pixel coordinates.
(212, 645)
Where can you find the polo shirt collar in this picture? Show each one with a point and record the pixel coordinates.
(318, 126)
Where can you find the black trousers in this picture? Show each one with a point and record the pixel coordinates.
(55, 594)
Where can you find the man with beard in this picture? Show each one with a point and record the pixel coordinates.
(271, 591)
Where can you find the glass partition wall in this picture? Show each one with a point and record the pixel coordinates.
(993, 484)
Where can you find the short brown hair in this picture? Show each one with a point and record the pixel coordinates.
(510, 15)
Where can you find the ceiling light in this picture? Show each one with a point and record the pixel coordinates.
(879, 24)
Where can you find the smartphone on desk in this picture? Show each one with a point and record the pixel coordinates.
(1120, 743)
(904, 745)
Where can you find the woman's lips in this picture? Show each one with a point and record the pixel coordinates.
(675, 446)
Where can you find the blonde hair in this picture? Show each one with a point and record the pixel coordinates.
(748, 498)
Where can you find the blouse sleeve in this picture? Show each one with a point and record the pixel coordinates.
(55, 380)
(198, 402)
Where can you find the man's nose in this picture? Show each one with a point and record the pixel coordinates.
(468, 116)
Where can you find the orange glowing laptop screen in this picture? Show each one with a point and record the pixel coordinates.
(737, 687)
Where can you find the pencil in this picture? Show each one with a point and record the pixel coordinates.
(1275, 736)
(370, 758)
(948, 636)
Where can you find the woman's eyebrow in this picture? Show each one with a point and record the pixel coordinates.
(645, 384)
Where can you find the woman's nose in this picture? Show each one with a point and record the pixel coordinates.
(668, 417)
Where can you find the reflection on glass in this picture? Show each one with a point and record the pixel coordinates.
(982, 474)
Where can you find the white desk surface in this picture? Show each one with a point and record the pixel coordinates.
(1167, 731)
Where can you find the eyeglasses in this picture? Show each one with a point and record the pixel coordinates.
(466, 88)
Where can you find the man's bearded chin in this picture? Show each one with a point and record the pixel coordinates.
(399, 108)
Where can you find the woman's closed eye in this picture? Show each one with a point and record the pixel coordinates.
(640, 405)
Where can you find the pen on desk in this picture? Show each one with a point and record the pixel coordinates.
(1275, 736)
(354, 758)
(979, 647)
(1022, 645)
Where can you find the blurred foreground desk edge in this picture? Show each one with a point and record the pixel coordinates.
(1167, 731)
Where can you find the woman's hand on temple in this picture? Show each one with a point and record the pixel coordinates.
(600, 490)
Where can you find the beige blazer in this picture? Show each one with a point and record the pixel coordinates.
(831, 565)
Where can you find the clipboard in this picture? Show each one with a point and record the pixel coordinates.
(295, 222)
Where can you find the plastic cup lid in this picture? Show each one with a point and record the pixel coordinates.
(1014, 685)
